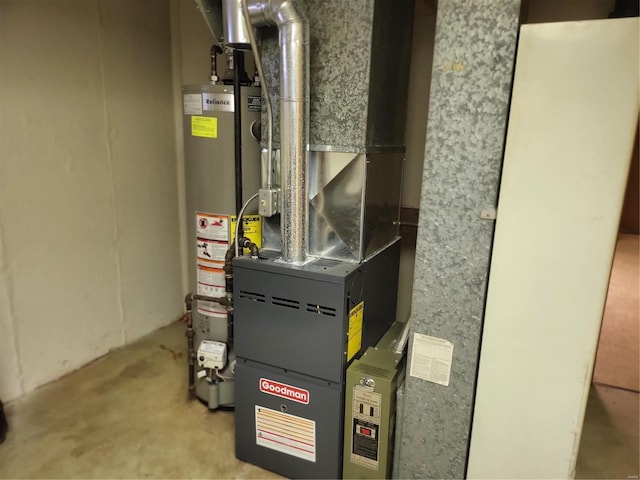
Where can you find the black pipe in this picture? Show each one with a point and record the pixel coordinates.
(221, 300)
(228, 287)
(215, 50)
(190, 333)
(188, 301)
(243, 243)
(238, 65)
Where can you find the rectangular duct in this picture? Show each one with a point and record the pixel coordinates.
(358, 74)
(358, 82)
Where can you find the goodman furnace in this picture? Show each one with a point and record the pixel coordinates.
(297, 329)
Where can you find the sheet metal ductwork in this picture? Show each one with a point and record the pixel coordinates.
(293, 45)
(355, 62)
(358, 83)
(211, 11)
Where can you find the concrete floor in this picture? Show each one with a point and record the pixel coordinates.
(125, 415)
(128, 415)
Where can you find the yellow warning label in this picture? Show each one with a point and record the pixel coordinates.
(204, 126)
(355, 330)
(252, 227)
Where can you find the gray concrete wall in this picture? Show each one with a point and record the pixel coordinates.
(89, 239)
(470, 87)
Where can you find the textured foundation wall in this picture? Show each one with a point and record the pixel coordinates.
(470, 86)
(89, 240)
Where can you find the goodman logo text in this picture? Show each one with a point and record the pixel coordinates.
(283, 390)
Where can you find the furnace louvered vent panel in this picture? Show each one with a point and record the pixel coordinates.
(321, 310)
(285, 302)
(252, 296)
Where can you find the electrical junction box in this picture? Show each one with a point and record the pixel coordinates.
(370, 403)
(212, 354)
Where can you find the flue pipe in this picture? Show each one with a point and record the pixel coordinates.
(294, 115)
(211, 11)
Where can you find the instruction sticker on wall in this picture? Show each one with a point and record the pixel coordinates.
(355, 330)
(206, 127)
(431, 359)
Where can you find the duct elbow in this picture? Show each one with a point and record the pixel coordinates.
(275, 12)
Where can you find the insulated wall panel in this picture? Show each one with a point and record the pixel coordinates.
(572, 124)
(468, 108)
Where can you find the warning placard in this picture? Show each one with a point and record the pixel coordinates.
(212, 226)
(206, 127)
(355, 330)
(210, 280)
(211, 250)
(212, 309)
(286, 433)
(212, 237)
(212, 243)
(252, 228)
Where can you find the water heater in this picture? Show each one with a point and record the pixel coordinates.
(210, 168)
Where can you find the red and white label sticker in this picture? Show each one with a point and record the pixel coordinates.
(283, 390)
(210, 280)
(286, 433)
(212, 227)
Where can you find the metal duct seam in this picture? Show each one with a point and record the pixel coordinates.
(294, 119)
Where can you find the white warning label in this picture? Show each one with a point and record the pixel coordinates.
(210, 280)
(212, 250)
(211, 309)
(431, 359)
(192, 103)
(212, 243)
(212, 227)
(286, 433)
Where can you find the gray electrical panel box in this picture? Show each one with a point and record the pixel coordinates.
(297, 328)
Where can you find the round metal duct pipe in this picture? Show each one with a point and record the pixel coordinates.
(294, 119)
